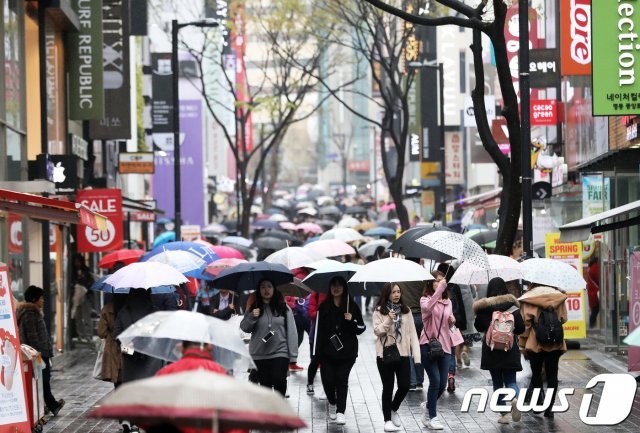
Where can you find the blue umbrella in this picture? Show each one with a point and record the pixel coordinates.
(313, 239)
(164, 221)
(267, 224)
(100, 286)
(477, 227)
(238, 240)
(164, 238)
(202, 251)
(380, 231)
(246, 276)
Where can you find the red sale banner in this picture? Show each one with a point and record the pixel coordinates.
(106, 202)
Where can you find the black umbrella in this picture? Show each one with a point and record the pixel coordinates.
(246, 276)
(407, 245)
(388, 224)
(485, 237)
(354, 210)
(270, 243)
(326, 223)
(279, 234)
(329, 210)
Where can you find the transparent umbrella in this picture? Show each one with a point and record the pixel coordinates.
(499, 266)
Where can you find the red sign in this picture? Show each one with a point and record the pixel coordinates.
(512, 39)
(16, 236)
(634, 310)
(544, 112)
(359, 166)
(106, 202)
(143, 216)
(575, 43)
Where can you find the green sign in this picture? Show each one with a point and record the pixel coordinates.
(84, 50)
(414, 133)
(616, 57)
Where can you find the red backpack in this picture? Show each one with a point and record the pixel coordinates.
(499, 336)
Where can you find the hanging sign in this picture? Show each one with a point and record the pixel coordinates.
(136, 162)
(544, 112)
(106, 202)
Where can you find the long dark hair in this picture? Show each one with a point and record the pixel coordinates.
(384, 298)
(276, 303)
(496, 287)
(345, 294)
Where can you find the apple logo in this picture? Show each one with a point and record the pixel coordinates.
(58, 173)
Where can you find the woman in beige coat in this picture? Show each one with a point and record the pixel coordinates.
(111, 356)
(536, 299)
(393, 323)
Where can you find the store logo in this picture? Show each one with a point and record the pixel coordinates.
(580, 17)
(614, 407)
(58, 173)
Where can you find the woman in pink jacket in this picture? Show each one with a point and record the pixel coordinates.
(437, 317)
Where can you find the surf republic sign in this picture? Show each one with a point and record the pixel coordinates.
(616, 56)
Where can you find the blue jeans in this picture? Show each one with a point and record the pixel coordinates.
(438, 372)
(416, 374)
(504, 378)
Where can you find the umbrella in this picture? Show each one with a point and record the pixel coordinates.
(326, 223)
(349, 222)
(457, 246)
(553, 273)
(325, 201)
(406, 244)
(484, 237)
(215, 228)
(354, 210)
(380, 232)
(633, 339)
(477, 227)
(200, 250)
(388, 224)
(388, 207)
(238, 240)
(329, 210)
(225, 252)
(342, 234)
(294, 257)
(331, 247)
(219, 265)
(455, 225)
(145, 275)
(319, 279)
(99, 285)
(231, 225)
(164, 220)
(282, 203)
(278, 218)
(313, 239)
(387, 270)
(164, 238)
(266, 224)
(367, 225)
(308, 211)
(320, 263)
(296, 288)
(286, 225)
(280, 235)
(305, 204)
(246, 276)
(370, 248)
(500, 266)
(271, 243)
(185, 262)
(124, 256)
(309, 228)
(159, 335)
(187, 400)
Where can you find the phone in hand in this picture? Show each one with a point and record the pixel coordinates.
(268, 337)
(337, 343)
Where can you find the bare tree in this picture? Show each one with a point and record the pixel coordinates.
(487, 17)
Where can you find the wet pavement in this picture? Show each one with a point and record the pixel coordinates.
(72, 381)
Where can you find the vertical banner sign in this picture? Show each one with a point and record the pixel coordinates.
(116, 122)
(13, 392)
(106, 202)
(454, 163)
(570, 253)
(414, 136)
(84, 57)
(634, 309)
(162, 101)
(594, 199)
(575, 43)
(616, 55)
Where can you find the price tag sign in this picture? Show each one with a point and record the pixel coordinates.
(107, 202)
(574, 307)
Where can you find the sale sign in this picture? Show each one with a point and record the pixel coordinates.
(570, 253)
(544, 112)
(106, 202)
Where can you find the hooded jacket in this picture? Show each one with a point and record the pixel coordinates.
(530, 305)
(484, 309)
(437, 317)
(193, 358)
(33, 330)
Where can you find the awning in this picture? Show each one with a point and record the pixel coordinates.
(43, 208)
(580, 230)
(479, 198)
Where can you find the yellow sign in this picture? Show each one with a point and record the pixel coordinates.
(429, 170)
(570, 253)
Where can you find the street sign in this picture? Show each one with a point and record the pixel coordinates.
(106, 202)
(136, 162)
(541, 190)
(190, 233)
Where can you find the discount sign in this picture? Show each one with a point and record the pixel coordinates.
(107, 202)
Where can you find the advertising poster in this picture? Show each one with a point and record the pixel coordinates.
(108, 203)
(570, 253)
(634, 308)
(595, 198)
(13, 403)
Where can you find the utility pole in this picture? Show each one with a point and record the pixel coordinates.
(525, 130)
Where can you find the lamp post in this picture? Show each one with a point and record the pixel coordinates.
(442, 174)
(175, 28)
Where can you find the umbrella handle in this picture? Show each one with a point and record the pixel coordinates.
(315, 333)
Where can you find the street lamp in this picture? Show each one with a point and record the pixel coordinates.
(443, 178)
(175, 27)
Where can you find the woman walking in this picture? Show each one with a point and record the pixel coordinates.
(393, 325)
(112, 355)
(544, 311)
(504, 361)
(274, 340)
(339, 322)
(435, 347)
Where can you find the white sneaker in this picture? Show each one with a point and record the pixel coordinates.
(465, 358)
(516, 415)
(395, 418)
(390, 426)
(340, 419)
(425, 414)
(332, 412)
(504, 419)
(434, 424)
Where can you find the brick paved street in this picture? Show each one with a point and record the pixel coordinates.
(73, 382)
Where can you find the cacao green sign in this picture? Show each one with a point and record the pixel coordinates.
(616, 57)
(85, 58)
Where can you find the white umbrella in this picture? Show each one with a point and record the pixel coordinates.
(500, 266)
(183, 261)
(321, 263)
(159, 335)
(348, 222)
(145, 275)
(331, 248)
(342, 234)
(457, 246)
(390, 270)
(370, 248)
(278, 218)
(553, 273)
(294, 257)
(308, 211)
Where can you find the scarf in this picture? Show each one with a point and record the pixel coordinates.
(396, 308)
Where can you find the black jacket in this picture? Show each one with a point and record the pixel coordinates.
(331, 321)
(33, 330)
(457, 305)
(227, 312)
(484, 309)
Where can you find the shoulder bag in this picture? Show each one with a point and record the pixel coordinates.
(435, 347)
(390, 353)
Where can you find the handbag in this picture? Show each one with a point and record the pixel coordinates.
(390, 353)
(456, 336)
(435, 347)
(97, 367)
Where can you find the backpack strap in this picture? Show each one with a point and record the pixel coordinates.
(512, 310)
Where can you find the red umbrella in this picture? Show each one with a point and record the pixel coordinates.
(125, 256)
(219, 265)
(226, 252)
